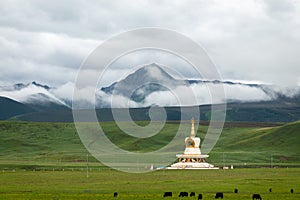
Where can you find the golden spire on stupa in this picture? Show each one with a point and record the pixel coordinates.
(192, 128)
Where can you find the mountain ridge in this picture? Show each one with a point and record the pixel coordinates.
(142, 82)
(10, 108)
(35, 96)
(138, 85)
(153, 79)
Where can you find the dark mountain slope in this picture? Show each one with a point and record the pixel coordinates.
(10, 108)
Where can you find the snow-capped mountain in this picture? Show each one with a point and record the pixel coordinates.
(146, 80)
(20, 86)
(34, 94)
(151, 84)
(148, 85)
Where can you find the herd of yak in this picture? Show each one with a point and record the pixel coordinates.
(217, 196)
(200, 196)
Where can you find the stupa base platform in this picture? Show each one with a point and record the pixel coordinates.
(188, 165)
(196, 168)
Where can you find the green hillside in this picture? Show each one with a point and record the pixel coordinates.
(279, 145)
(49, 143)
(281, 139)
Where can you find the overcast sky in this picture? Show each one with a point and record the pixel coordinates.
(248, 40)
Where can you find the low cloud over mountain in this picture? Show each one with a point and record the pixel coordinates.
(152, 85)
(33, 94)
(148, 85)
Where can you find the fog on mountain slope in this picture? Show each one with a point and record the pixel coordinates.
(34, 94)
(148, 85)
(152, 85)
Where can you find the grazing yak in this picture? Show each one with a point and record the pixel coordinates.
(168, 194)
(192, 194)
(256, 196)
(236, 191)
(219, 195)
(200, 196)
(183, 194)
(115, 194)
(292, 191)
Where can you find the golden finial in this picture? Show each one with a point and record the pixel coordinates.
(193, 127)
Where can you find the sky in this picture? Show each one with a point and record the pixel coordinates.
(248, 40)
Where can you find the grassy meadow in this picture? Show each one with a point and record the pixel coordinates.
(39, 144)
(48, 161)
(152, 185)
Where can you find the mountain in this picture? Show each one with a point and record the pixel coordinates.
(144, 81)
(20, 86)
(42, 102)
(37, 96)
(10, 108)
(151, 84)
(271, 111)
(22, 99)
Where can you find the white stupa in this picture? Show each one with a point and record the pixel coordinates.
(192, 157)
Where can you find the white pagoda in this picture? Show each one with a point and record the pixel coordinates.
(192, 157)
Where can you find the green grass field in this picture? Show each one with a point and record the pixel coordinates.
(48, 161)
(28, 145)
(152, 185)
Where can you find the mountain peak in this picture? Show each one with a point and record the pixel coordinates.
(142, 82)
(156, 71)
(40, 85)
(20, 86)
(149, 73)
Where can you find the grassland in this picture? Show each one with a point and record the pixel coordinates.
(48, 161)
(102, 184)
(28, 145)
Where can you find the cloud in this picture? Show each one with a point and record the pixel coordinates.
(195, 94)
(64, 91)
(254, 40)
(29, 93)
(200, 94)
(278, 8)
(245, 93)
(44, 57)
(182, 95)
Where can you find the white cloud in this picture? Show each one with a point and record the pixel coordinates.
(27, 93)
(43, 57)
(245, 93)
(115, 101)
(199, 94)
(65, 91)
(254, 40)
(195, 94)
